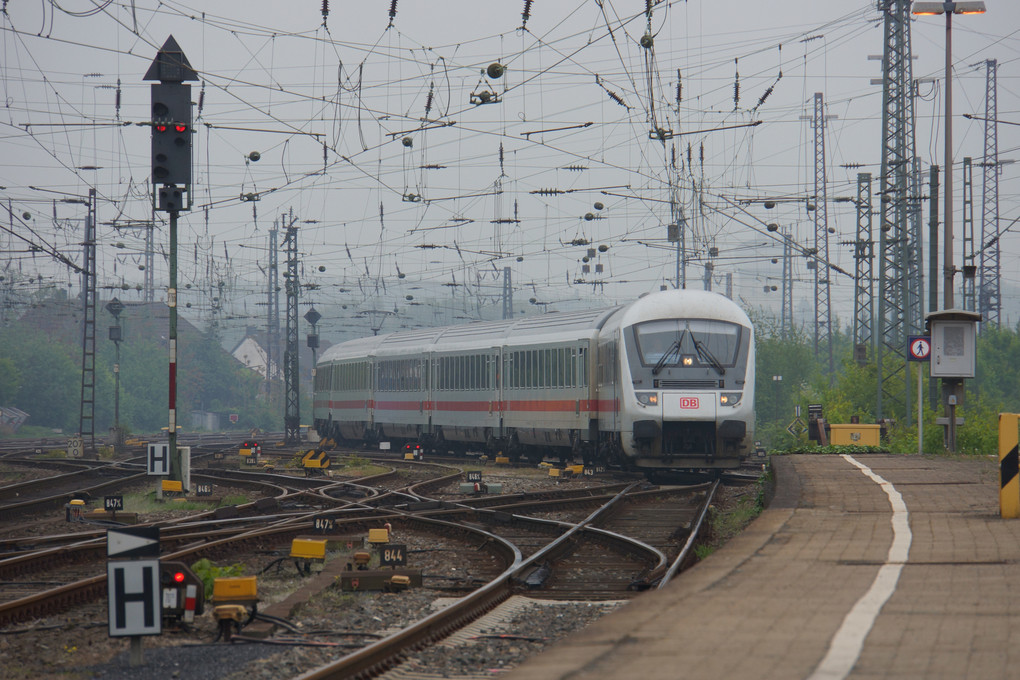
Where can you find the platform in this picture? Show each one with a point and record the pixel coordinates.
(837, 578)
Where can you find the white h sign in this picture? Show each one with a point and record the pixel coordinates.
(134, 605)
(158, 460)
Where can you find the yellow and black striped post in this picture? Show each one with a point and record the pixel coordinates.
(1009, 466)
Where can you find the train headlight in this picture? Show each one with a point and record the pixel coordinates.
(647, 398)
(687, 360)
(730, 398)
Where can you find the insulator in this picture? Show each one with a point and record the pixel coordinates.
(201, 99)
(547, 192)
(764, 96)
(393, 11)
(428, 99)
(616, 98)
(495, 70)
(648, 8)
(526, 14)
(325, 10)
(736, 86)
(117, 101)
(679, 88)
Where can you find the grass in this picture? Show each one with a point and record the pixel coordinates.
(725, 523)
(146, 502)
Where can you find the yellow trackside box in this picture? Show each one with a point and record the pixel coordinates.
(855, 434)
(378, 536)
(173, 486)
(315, 460)
(502, 460)
(576, 469)
(554, 472)
(308, 548)
(233, 588)
(408, 456)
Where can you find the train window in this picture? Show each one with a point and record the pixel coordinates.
(704, 339)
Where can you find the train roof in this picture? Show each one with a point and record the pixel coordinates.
(542, 328)
(550, 327)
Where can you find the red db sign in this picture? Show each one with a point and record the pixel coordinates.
(689, 402)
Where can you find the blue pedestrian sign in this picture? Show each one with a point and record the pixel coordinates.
(919, 348)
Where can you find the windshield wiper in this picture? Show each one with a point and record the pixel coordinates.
(673, 350)
(706, 355)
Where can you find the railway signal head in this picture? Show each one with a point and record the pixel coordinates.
(171, 134)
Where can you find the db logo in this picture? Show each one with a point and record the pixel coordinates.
(689, 402)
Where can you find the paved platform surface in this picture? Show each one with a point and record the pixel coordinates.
(835, 579)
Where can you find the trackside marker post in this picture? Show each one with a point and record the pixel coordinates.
(1009, 466)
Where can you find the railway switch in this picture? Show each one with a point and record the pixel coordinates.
(361, 559)
(241, 590)
(183, 593)
(172, 487)
(74, 511)
(230, 618)
(306, 552)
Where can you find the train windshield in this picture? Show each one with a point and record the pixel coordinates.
(701, 342)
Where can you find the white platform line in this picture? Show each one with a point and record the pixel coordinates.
(845, 646)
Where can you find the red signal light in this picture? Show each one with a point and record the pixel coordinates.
(160, 127)
(180, 127)
(178, 577)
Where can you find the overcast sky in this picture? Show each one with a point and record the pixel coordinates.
(476, 187)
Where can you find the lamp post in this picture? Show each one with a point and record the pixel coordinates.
(115, 307)
(949, 9)
(952, 382)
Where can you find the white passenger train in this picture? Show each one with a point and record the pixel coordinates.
(666, 381)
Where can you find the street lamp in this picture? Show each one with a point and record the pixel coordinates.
(949, 9)
(115, 307)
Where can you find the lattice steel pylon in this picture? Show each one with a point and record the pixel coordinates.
(967, 208)
(914, 251)
(787, 307)
(864, 273)
(273, 312)
(508, 294)
(989, 266)
(823, 307)
(87, 412)
(291, 372)
(897, 150)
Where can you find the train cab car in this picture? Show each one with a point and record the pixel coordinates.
(685, 382)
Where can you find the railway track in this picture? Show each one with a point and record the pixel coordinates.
(597, 543)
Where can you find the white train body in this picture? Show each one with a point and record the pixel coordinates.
(666, 381)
